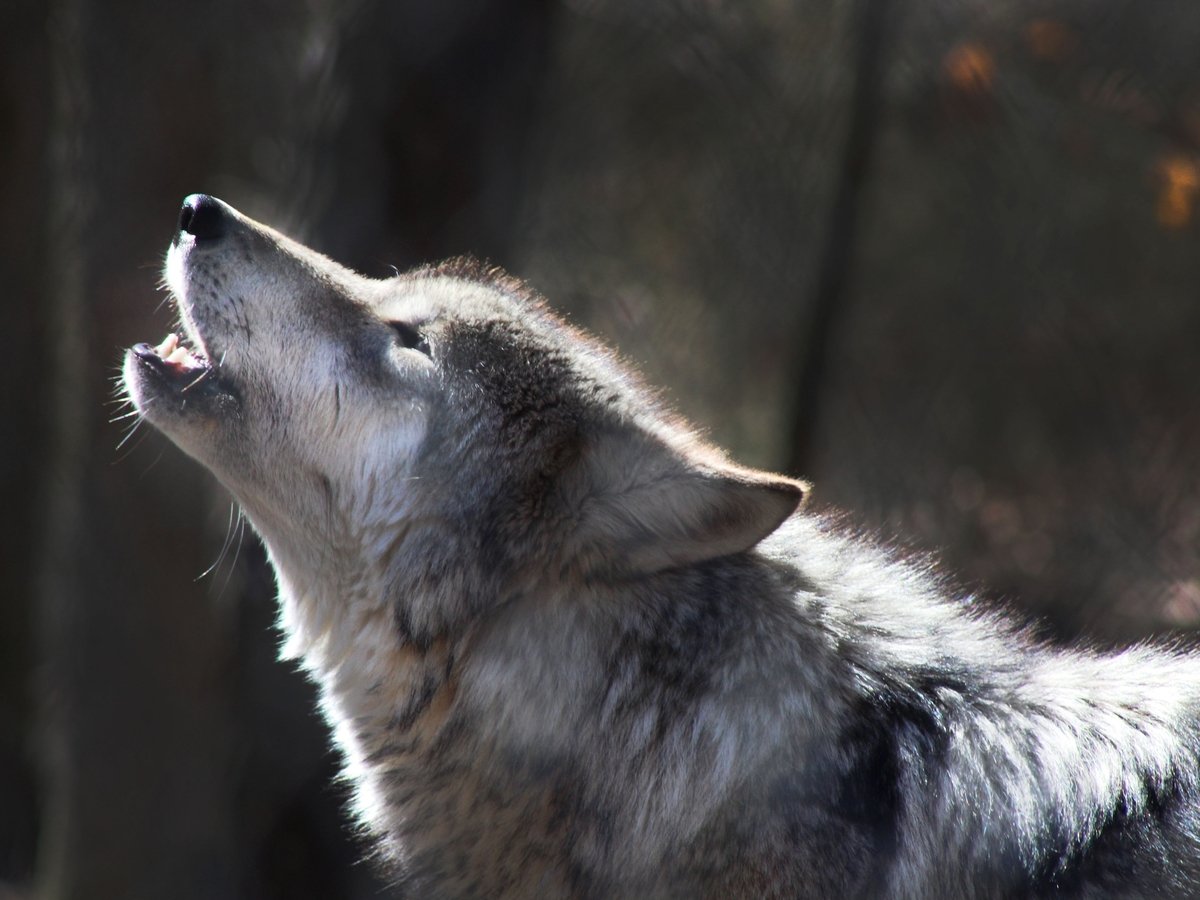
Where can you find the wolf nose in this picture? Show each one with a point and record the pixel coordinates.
(203, 217)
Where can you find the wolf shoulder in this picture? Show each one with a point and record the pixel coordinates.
(818, 717)
(965, 756)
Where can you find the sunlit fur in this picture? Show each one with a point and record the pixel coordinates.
(568, 650)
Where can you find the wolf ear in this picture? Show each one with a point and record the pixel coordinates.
(647, 506)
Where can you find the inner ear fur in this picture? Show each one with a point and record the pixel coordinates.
(647, 505)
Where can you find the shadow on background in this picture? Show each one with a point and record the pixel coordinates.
(941, 258)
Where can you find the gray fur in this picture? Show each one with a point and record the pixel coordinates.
(568, 650)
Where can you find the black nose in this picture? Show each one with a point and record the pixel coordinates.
(203, 217)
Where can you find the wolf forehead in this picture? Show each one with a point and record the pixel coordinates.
(530, 368)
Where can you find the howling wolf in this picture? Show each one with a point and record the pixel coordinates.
(569, 650)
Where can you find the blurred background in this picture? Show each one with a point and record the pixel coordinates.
(938, 256)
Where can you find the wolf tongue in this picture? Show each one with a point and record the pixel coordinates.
(180, 357)
(167, 347)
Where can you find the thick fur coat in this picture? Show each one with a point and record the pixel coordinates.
(568, 650)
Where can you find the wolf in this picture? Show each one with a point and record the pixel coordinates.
(568, 649)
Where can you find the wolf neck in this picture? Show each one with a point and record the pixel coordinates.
(351, 614)
(332, 609)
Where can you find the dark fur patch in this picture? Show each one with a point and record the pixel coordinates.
(893, 733)
(1133, 838)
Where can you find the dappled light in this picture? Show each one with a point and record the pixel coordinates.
(1179, 185)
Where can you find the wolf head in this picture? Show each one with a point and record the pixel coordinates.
(440, 427)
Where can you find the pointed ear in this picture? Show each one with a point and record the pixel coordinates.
(648, 506)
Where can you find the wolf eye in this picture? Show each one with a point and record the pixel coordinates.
(410, 337)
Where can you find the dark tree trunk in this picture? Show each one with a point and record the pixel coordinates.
(830, 293)
(24, 103)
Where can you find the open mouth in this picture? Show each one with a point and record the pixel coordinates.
(175, 362)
